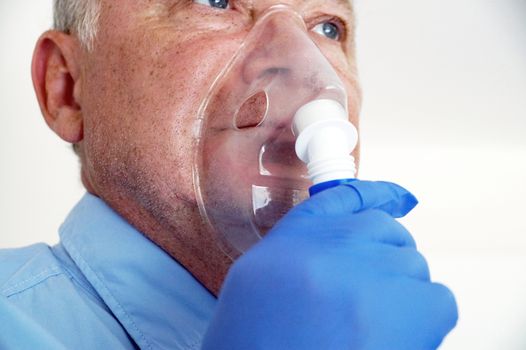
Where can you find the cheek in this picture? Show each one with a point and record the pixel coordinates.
(143, 104)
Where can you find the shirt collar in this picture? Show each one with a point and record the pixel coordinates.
(160, 304)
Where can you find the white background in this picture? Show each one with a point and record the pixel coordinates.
(444, 115)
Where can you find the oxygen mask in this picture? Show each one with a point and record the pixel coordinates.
(247, 174)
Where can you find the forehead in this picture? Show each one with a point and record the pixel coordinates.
(121, 16)
(345, 5)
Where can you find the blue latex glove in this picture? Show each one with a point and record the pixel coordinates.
(337, 272)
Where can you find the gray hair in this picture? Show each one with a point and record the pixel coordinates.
(78, 17)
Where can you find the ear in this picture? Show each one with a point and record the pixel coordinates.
(56, 79)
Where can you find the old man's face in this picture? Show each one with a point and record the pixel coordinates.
(141, 87)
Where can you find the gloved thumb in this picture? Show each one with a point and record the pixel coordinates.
(357, 196)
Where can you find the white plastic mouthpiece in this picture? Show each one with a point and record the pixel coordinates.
(325, 139)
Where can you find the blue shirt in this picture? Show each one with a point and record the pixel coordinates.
(104, 286)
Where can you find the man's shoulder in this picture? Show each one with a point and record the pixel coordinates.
(23, 268)
(43, 292)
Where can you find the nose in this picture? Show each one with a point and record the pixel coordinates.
(277, 45)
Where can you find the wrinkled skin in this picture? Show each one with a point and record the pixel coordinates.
(131, 102)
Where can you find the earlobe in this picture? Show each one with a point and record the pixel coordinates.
(56, 79)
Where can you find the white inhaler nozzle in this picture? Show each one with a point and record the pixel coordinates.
(325, 139)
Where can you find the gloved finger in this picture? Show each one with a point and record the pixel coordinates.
(445, 308)
(404, 261)
(386, 196)
(438, 310)
(378, 226)
(361, 195)
(366, 227)
(369, 226)
(428, 307)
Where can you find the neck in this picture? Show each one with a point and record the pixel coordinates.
(185, 239)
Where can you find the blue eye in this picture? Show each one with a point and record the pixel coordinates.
(329, 30)
(220, 4)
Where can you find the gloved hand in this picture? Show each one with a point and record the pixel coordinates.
(337, 272)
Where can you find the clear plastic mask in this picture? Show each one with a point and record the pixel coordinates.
(246, 173)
